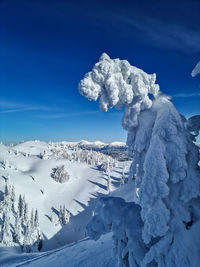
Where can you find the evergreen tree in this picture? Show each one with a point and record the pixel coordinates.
(32, 221)
(36, 220)
(20, 206)
(65, 216)
(18, 230)
(33, 236)
(7, 195)
(165, 164)
(60, 215)
(23, 209)
(7, 186)
(25, 215)
(6, 235)
(27, 243)
(13, 198)
(60, 175)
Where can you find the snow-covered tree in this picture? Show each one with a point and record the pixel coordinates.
(23, 209)
(25, 215)
(63, 215)
(32, 219)
(5, 164)
(18, 230)
(7, 202)
(7, 189)
(33, 237)
(16, 153)
(27, 243)
(20, 206)
(43, 155)
(13, 198)
(36, 220)
(60, 175)
(60, 214)
(165, 163)
(6, 235)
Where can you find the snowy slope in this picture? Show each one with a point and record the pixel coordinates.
(84, 253)
(31, 176)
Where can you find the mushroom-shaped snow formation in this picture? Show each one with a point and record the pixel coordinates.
(116, 83)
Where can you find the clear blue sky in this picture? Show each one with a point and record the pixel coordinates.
(47, 46)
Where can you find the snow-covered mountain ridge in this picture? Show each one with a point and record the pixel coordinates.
(95, 144)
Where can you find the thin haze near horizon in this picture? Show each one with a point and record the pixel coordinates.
(46, 47)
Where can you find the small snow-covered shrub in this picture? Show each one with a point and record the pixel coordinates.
(103, 167)
(60, 175)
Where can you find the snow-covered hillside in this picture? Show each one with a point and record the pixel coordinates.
(30, 165)
(83, 253)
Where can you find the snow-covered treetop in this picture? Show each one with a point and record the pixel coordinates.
(116, 83)
(196, 70)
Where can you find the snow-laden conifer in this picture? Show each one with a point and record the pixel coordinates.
(60, 175)
(6, 235)
(20, 206)
(28, 242)
(18, 230)
(165, 163)
(13, 198)
(63, 215)
(25, 215)
(36, 220)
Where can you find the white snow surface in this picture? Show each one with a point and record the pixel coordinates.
(31, 176)
(79, 195)
(84, 253)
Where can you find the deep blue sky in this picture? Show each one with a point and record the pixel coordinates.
(46, 47)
